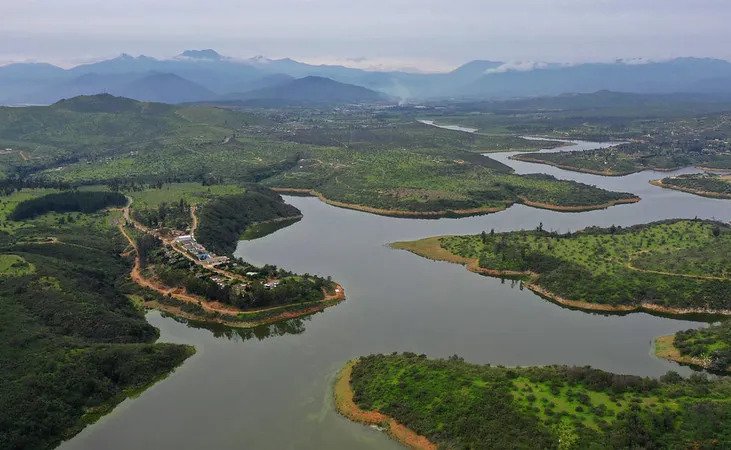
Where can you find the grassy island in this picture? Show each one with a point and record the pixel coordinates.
(676, 267)
(706, 184)
(709, 348)
(449, 403)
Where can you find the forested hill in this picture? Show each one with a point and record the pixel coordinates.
(310, 90)
(223, 220)
(72, 344)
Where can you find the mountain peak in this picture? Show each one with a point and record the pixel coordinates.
(207, 54)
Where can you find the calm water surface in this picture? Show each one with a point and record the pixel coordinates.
(270, 388)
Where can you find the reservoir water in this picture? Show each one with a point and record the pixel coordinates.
(269, 388)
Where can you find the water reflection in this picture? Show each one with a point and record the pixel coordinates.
(291, 326)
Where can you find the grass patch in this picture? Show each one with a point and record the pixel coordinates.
(14, 265)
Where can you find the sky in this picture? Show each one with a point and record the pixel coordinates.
(425, 35)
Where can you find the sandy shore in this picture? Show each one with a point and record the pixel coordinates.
(343, 394)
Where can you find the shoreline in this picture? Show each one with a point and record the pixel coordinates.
(346, 406)
(664, 347)
(688, 190)
(392, 212)
(530, 159)
(451, 212)
(430, 248)
(580, 208)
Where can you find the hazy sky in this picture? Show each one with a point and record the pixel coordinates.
(428, 34)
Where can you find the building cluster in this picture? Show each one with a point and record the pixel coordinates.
(192, 247)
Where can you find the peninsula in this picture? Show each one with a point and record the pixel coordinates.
(448, 403)
(671, 267)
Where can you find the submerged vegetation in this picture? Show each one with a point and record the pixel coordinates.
(459, 405)
(674, 266)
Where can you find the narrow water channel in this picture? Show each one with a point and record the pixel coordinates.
(270, 388)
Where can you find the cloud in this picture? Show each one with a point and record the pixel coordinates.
(517, 66)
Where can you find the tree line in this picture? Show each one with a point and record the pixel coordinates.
(67, 201)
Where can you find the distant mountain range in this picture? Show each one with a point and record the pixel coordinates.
(205, 75)
(308, 90)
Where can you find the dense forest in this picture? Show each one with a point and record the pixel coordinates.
(175, 215)
(72, 345)
(67, 201)
(223, 220)
(461, 405)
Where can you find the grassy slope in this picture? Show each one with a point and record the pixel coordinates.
(71, 343)
(457, 405)
(193, 193)
(676, 264)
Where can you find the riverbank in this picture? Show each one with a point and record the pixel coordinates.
(708, 194)
(393, 212)
(606, 173)
(579, 208)
(346, 406)
(431, 248)
(452, 212)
